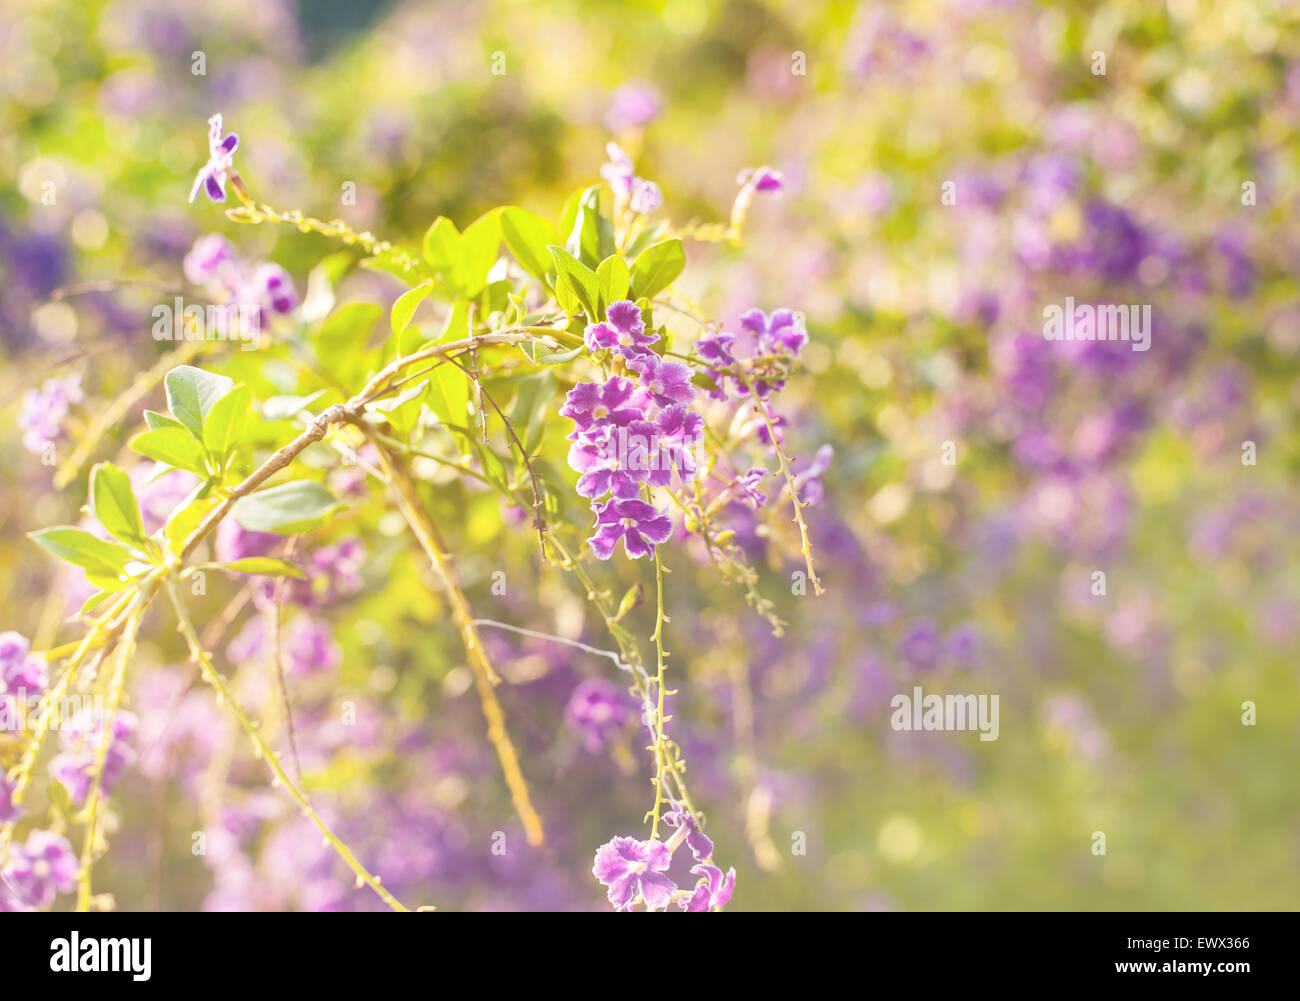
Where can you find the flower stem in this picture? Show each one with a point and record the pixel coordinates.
(264, 751)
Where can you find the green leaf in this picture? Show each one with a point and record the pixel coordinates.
(113, 503)
(479, 245)
(443, 250)
(174, 446)
(398, 409)
(657, 267)
(529, 411)
(613, 278)
(587, 239)
(449, 395)
(405, 306)
(185, 519)
(576, 281)
(192, 393)
(224, 429)
(287, 509)
(156, 420)
(90, 604)
(280, 408)
(560, 357)
(342, 338)
(528, 236)
(102, 560)
(265, 565)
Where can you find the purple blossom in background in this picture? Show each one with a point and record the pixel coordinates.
(623, 331)
(714, 890)
(9, 811)
(964, 643)
(273, 287)
(20, 671)
(679, 431)
(79, 742)
(809, 482)
(41, 869)
(43, 410)
(646, 197)
(920, 645)
(235, 542)
(748, 484)
(633, 106)
(310, 647)
(211, 257)
(764, 179)
(618, 171)
(221, 155)
(597, 710)
(631, 868)
(637, 523)
(776, 333)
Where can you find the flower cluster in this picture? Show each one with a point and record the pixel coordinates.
(42, 411)
(630, 433)
(635, 870)
(37, 872)
(597, 710)
(79, 743)
(640, 195)
(214, 265)
(766, 346)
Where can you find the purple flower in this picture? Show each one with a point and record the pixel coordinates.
(592, 407)
(20, 672)
(632, 869)
(43, 410)
(667, 382)
(596, 710)
(637, 523)
(765, 179)
(633, 106)
(310, 647)
(273, 287)
(714, 890)
(963, 643)
(774, 334)
(617, 463)
(920, 644)
(748, 487)
(623, 331)
(80, 740)
(42, 868)
(618, 171)
(809, 482)
(646, 197)
(680, 430)
(235, 542)
(211, 256)
(696, 840)
(221, 154)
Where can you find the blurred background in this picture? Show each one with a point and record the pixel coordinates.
(952, 167)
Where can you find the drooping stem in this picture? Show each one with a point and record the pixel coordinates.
(485, 676)
(799, 504)
(265, 752)
(107, 721)
(660, 719)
